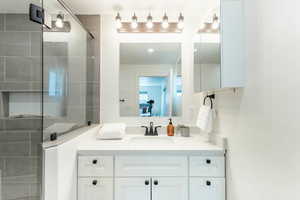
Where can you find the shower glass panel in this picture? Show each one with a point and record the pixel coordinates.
(65, 56)
(20, 102)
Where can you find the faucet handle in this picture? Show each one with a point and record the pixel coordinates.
(146, 130)
(155, 130)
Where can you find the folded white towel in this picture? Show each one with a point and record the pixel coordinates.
(205, 118)
(111, 131)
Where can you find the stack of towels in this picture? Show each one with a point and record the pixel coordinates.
(112, 131)
(205, 118)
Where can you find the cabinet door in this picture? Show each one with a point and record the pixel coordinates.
(132, 188)
(95, 189)
(175, 188)
(207, 188)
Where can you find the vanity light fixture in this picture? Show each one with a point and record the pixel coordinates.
(59, 23)
(149, 23)
(202, 26)
(134, 22)
(215, 23)
(165, 22)
(118, 21)
(180, 24)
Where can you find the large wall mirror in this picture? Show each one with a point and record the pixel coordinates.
(150, 81)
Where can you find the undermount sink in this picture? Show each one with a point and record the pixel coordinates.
(151, 140)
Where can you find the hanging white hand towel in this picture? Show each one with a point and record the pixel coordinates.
(205, 118)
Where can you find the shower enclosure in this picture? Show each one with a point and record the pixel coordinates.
(49, 80)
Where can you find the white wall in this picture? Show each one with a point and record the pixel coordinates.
(261, 121)
(109, 102)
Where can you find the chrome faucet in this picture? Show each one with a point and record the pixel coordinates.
(151, 130)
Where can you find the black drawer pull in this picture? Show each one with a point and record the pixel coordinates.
(155, 182)
(146, 182)
(208, 183)
(208, 161)
(95, 162)
(94, 182)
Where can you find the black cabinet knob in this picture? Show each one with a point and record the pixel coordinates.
(155, 182)
(208, 183)
(95, 182)
(146, 182)
(208, 161)
(95, 162)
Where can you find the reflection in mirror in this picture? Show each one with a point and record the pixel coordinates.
(207, 57)
(150, 79)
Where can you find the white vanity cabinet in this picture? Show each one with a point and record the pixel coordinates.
(207, 188)
(133, 188)
(151, 177)
(175, 188)
(95, 188)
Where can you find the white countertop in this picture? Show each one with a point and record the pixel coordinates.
(196, 142)
(87, 144)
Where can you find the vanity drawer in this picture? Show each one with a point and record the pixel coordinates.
(207, 188)
(207, 166)
(151, 166)
(95, 166)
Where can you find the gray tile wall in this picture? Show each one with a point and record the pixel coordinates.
(20, 47)
(20, 139)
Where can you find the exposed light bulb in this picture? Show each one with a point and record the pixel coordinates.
(134, 23)
(118, 21)
(59, 23)
(180, 24)
(215, 24)
(149, 23)
(165, 22)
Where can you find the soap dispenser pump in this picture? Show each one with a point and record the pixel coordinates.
(170, 128)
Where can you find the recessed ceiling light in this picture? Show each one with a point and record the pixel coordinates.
(150, 50)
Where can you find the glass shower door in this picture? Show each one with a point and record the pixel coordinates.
(20, 102)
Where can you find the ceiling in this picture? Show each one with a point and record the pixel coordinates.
(112, 6)
(137, 53)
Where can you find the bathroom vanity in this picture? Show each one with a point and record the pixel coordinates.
(136, 167)
(151, 168)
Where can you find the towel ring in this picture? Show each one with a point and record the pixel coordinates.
(211, 97)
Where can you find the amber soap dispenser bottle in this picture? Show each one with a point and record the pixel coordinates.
(170, 128)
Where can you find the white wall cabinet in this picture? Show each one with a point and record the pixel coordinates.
(233, 69)
(151, 177)
(219, 58)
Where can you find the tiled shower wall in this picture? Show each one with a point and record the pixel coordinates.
(20, 139)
